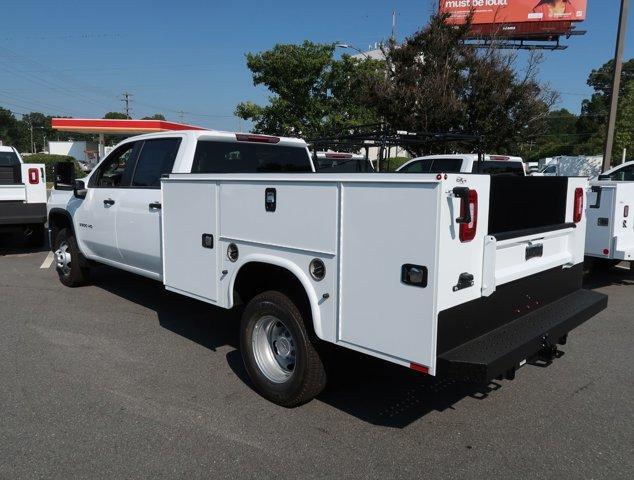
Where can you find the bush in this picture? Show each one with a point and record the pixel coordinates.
(50, 160)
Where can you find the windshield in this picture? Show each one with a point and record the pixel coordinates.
(9, 159)
(344, 165)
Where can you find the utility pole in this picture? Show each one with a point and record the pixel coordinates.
(181, 116)
(126, 100)
(31, 129)
(616, 84)
(394, 25)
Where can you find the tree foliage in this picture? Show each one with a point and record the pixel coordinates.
(435, 82)
(312, 94)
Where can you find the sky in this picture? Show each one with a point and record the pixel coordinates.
(187, 59)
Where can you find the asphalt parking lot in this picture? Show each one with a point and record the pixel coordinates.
(122, 379)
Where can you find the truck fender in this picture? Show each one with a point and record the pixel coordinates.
(292, 268)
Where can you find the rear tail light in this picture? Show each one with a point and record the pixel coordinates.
(578, 208)
(34, 176)
(468, 230)
(250, 137)
(626, 211)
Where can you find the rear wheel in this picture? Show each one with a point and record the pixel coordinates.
(68, 260)
(278, 353)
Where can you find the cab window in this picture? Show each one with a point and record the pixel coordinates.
(116, 170)
(156, 158)
(434, 165)
(237, 157)
(625, 174)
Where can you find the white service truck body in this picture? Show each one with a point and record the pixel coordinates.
(22, 195)
(435, 272)
(610, 233)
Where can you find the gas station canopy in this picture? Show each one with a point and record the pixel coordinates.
(104, 126)
(116, 127)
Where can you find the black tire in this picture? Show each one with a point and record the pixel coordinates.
(78, 274)
(38, 236)
(308, 377)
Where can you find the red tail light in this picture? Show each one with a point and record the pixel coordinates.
(468, 230)
(34, 176)
(578, 208)
(626, 211)
(250, 137)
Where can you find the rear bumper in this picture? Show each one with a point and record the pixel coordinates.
(20, 213)
(503, 349)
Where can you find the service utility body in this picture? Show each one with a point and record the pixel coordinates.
(464, 276)
(22, 196)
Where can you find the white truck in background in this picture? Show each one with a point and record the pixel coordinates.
(610, 237)
(568, 166)
(465, 163)
(449, 274)
(22, 196)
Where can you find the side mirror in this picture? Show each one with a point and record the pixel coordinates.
(64, 176)
(80, 189)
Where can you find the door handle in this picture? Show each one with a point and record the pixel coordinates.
(108, 201)
(155, 205)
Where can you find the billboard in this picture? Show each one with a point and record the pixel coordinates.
(514, 11)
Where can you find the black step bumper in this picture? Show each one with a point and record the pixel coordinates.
(501, 350)
(20, 213)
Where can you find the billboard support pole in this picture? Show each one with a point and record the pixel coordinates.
(616, 84)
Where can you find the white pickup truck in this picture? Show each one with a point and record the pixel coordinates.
(22, 196)
(610, 237)
(434, 272)
(465, 163)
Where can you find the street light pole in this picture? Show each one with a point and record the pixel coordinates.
(616, 84)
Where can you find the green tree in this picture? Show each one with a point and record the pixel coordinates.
(156, 116)
(312, 94)
(12, 131)
(592, 124)
(435, 82)
(115, 116)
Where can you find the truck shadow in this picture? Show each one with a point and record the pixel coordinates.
(12, 243)
(370, 389)
(619, 275)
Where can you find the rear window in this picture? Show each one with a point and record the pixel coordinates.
(9, 159)
(434, 165)
(236, 157)
(499, 168)
(343, 165)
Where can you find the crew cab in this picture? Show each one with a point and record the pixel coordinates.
(434, 272)
(22, 196)
(465, 163)
(610, 236)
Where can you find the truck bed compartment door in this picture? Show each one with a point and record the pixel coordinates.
(388, 268)
(600, 219)
(190, 238)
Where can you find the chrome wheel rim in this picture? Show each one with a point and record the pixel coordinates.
(274, 349)
(63, 258)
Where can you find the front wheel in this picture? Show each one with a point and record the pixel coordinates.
(278, 353)
(68, 261)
